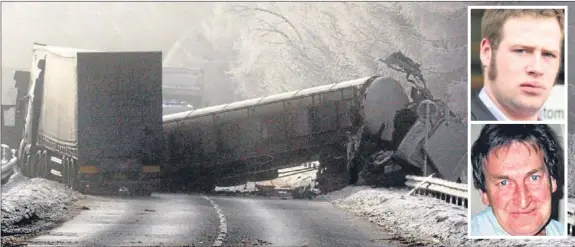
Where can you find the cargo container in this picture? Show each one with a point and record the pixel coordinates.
(94, 119)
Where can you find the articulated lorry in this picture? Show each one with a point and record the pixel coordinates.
(94, 119)
(367, 130)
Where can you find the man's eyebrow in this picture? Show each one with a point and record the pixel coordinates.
(499, 177)
(536, 170)
(552, 51)
(531, 48)
(533, 171)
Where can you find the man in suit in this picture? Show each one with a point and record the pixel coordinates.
(520, 54)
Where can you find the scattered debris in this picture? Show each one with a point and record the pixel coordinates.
(304, 192)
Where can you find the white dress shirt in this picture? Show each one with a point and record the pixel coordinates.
(498, 114)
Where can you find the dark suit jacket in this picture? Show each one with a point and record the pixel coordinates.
(479, 111)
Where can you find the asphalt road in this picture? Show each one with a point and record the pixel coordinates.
(277, 222)
(166, 220)
(193, 220)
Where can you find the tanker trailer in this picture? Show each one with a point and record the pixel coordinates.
(339, 124)
(385, 159)
(251, 139)
(94, 119)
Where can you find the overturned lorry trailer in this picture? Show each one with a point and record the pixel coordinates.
(340, 125)
(94, 119)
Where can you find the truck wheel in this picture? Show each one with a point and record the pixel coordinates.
(45, 166)
(37, 165)
(68, 171)
(27, 170)
(65, 171)
(25, 165)
(73, 175)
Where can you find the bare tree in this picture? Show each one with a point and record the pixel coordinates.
(256, 49)
(290, 46)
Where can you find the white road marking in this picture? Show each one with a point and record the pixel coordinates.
(223, 224)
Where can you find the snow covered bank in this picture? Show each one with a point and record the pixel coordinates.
(425, 219)
(33, 205)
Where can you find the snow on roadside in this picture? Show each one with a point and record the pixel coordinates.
(420, 218)
(34, 205)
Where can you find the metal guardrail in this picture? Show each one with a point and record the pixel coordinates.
(451, 192)
(571, 219)
(8, 169)
(456, 193)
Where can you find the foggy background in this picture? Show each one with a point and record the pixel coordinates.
(256, 49)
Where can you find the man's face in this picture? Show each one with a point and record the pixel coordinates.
(518, 188)
(524, 67)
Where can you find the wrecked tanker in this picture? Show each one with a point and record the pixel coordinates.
(367, 126)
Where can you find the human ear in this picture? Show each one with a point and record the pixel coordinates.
(485, 52)
(484, 197)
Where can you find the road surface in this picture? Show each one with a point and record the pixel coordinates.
(193, 220)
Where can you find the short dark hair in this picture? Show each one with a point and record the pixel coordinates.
(493, 136)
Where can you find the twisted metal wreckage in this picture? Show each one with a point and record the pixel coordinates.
(363, 131)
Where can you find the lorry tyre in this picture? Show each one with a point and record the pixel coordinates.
(24, 165)
(23, 160)
(69, 171)
(27, 170)
(70, 179)
(45, 166)
(37, 165)
(74, 174)
(65, 172)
